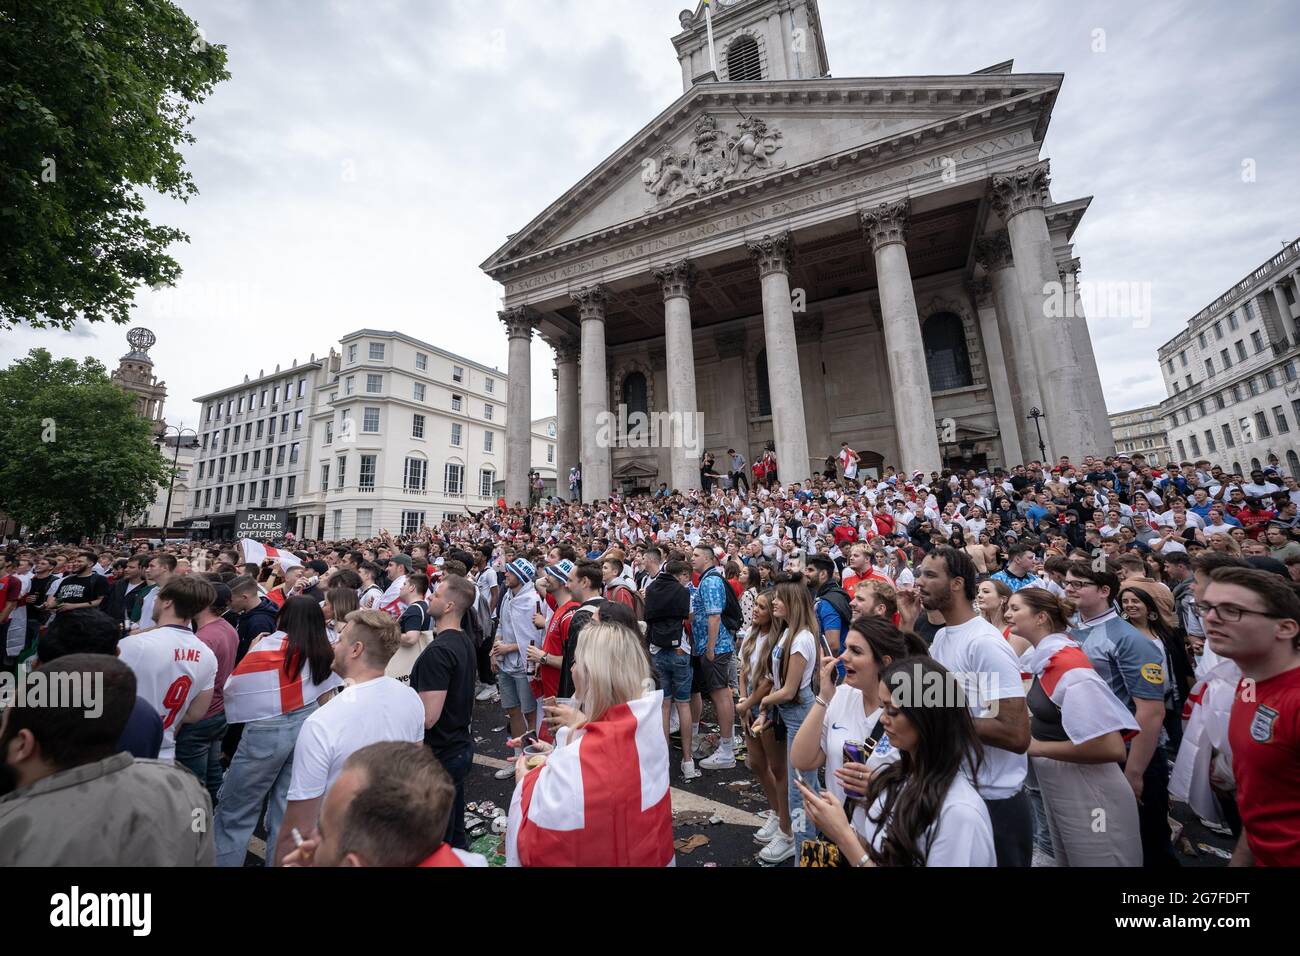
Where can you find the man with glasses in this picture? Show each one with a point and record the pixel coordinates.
(1134, 668)
(1253, 617)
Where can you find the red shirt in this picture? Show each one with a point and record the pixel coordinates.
(845, 534)
(1264, 732)
(10, 588)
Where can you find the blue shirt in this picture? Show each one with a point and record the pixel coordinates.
(1030, 580)
(1132, 665)
(1035, 514)
(708, 599)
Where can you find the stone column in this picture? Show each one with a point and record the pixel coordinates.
(1020, 198)
(1295, 283)
(1103, 440)
(999, 380)
(1284, 313)
(566, 412)
(774, 256)
(993, 252)
(676, 279)
(595, 439)
(520, 323)
(885, 228)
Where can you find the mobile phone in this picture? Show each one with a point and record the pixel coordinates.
(528, 739)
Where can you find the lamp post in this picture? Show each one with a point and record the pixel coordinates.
(176, 456)
(1037, 417)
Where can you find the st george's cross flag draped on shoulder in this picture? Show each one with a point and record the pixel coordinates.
(261, 685)
(255, 553)
(601, 799)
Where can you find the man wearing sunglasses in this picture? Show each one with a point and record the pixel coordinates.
(1134, 668)
(1253, 617)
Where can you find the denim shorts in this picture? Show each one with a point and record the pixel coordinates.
(674, 674)
(515, 692)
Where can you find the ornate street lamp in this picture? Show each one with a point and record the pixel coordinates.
(1037, 417)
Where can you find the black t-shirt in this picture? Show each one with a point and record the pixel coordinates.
(449, 663)
(925, 630)
(415, 618)
(82, 590)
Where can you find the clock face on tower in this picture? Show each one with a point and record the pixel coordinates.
(550, 429)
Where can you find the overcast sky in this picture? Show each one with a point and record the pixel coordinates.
(367, 155)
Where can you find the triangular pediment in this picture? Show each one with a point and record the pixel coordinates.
(720, 138)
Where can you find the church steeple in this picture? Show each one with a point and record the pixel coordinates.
(754, 40)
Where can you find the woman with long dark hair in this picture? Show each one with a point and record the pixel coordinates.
(922, 808)
(849, 740)
(272, 692)
(1140, 609)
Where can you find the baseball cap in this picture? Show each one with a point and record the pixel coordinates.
(402, 559)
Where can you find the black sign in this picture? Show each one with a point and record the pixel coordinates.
(261, 525)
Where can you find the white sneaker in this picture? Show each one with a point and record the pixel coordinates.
(487, 693)
(780, 849)
(689, 772)
(719, 761)
(767, 833)
(505, 773)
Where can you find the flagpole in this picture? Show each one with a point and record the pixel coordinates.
(708, 19)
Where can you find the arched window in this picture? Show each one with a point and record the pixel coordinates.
(743, 62)
(1292, 464)
(946, 357)
(634, 398)
(1254, 464)
(1236, 468)
(764, 386)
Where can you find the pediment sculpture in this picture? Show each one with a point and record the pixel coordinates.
(714, 160)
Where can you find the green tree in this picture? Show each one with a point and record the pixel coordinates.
(95, 100)
(75, 455)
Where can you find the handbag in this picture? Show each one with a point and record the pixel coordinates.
(821, 852)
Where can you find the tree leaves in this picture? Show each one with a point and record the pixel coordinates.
(75, 456)
(96, 98)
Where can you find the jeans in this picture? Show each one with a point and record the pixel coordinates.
(198, 750)
(262, 768)
(793, 716)
(458, 768)
(1042, 833)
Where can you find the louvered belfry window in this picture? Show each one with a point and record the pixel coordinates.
(742, 60)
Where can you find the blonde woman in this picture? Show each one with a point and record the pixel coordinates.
(571, 797)
(1225, 544)
(338, 604)
(764, 754)
(795, 685)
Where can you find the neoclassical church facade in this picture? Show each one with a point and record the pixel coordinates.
(783, 256)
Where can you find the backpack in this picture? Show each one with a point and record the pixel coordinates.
(638, 605)
(733, 619)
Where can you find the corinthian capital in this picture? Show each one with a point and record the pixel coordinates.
(981, 290)
(993, 251)
(1067, 270)
(676, 279)
(591, 300)
(773, 253)
(567, 349)
(886, 223)
(1026, 188)
(519, 322)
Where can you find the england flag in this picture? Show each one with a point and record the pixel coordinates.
(255, 553)
(602, 797)
(261, 687)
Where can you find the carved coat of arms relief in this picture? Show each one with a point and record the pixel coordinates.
(712, 160)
